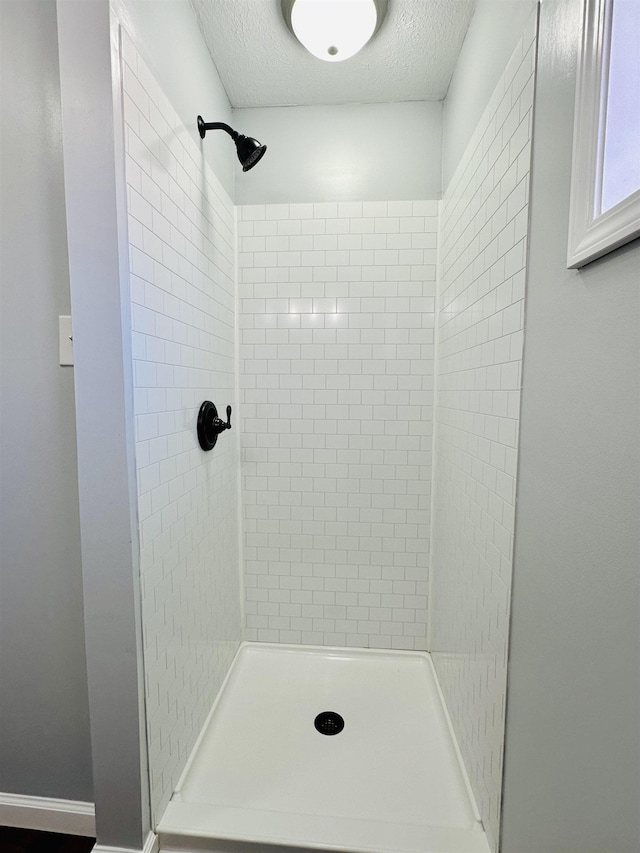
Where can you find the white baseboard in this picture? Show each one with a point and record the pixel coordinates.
(150, 846)
(47, 814)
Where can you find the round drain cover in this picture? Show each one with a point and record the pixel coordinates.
(329, 723)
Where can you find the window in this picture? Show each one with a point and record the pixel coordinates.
(605, 178)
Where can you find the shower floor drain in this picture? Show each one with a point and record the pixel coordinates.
(329, 723)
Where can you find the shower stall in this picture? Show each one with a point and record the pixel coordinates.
(346, 547)
(341, 332)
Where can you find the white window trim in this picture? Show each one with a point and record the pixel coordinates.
(592, 236)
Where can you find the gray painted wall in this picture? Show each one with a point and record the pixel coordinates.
(94, 196)
(491, 38)
(572, 759)
(352, 152)
(44, 715)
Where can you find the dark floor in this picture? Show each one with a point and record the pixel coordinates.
(30, 841)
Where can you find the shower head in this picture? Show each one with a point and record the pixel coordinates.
(249, 149)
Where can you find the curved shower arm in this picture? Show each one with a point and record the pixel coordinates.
(204, 126)
(249, 150)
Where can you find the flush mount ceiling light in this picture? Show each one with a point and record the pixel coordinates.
(333, 30)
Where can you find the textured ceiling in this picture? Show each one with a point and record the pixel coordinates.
(261, 64)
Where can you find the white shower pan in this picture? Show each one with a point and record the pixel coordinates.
(262, 778)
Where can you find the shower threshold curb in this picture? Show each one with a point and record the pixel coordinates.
(280, 830)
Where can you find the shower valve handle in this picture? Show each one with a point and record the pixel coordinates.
(210, 425)
(219, 425)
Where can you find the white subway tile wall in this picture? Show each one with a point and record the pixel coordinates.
(337, 323)
(182, 256)
(479, 360)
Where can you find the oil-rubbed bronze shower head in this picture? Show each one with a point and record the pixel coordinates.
(249, 149)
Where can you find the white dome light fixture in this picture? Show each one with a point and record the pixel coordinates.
(333, 30)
